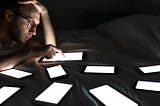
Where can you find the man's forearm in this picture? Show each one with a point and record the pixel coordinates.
(10, 60)
(49, 35)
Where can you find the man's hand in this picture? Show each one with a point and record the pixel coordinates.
(41, 8)
(47, 51)
(53, 50)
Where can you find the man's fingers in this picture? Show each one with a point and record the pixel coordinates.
(37, 4)
(27, 2)
(52, 51)
(58, 50)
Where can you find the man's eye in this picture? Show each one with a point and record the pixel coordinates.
(31, 24)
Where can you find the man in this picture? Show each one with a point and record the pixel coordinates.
(18, 22)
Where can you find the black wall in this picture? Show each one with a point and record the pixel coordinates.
(79, 14)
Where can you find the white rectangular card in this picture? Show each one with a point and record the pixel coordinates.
(150, 69)
(68, 57)
(111, 97)
(56, 71)
(148, 85)
(54, 93)
(6, 92)
(15, 73)
(99, 69)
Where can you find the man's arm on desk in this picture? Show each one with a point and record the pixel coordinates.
(12, 59)
(26, 54)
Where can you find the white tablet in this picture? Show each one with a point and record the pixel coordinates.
(150, 69)
(15, 73)
(56, 71)
(99, 69)
(111, 97)
(6, 92)
(148, 85)
(54, 93)
(68, 57)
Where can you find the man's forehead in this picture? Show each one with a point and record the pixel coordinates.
(30, 11)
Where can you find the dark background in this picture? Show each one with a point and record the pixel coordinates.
(80, 14)
(127, 44)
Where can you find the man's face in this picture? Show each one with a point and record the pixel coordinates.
(25, 23)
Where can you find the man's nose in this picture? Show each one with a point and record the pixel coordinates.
(33, 30)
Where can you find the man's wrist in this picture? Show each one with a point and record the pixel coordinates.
(44, 12)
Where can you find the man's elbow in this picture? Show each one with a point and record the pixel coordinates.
(4, 67)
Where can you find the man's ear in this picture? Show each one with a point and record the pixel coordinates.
(9, 15)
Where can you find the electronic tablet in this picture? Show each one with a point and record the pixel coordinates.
(6, 92)
(54, 93)
(68, 57)
(99, 69)
(111, 97)
(15, 73)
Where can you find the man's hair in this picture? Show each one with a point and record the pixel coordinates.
(8, 4)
